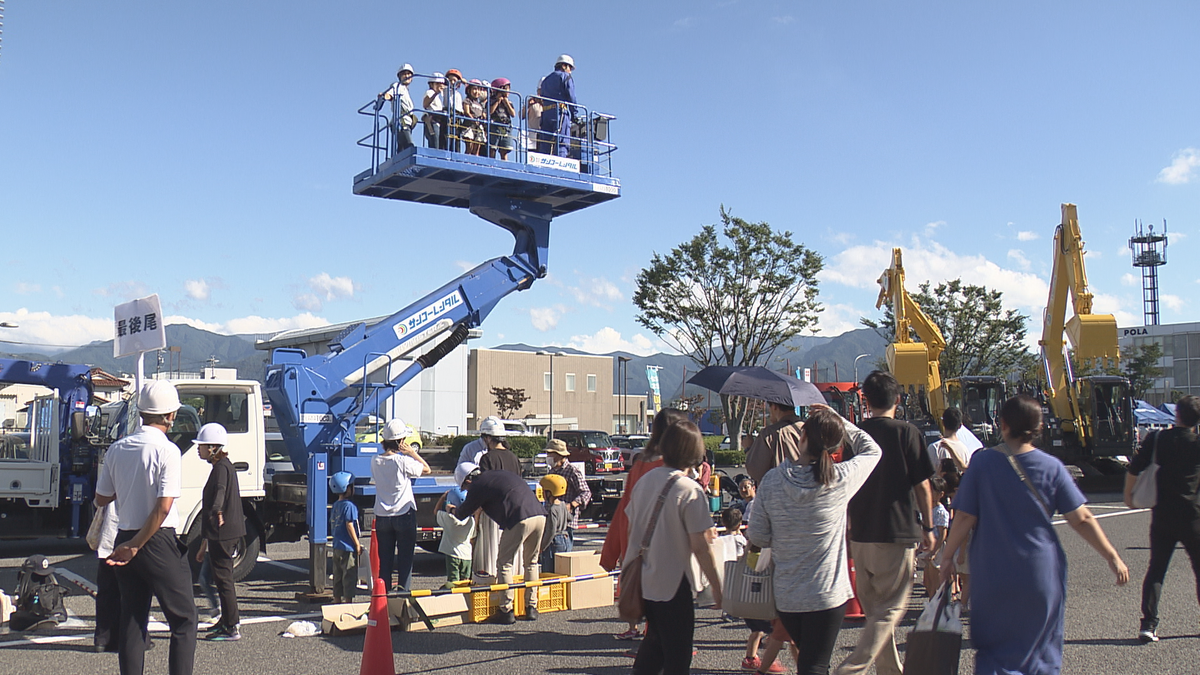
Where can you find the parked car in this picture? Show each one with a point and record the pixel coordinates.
(594, 448)
(631, 446)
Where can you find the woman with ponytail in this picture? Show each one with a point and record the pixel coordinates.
(800, 514)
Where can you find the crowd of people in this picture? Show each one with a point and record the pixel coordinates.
(976, 521)
(481, 119)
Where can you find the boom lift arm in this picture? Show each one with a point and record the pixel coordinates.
(912, 363)
(1092, 336)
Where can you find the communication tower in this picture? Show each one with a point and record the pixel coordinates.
(1149, 256)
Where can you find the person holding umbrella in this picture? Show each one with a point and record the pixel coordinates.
(778, 442)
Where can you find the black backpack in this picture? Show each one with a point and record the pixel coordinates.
(39, 595)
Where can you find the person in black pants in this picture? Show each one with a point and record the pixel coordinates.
(1176, 515)
(222, 524)
(142, 474)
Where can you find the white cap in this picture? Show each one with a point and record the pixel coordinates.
(492, 426)
(437, 78)
(565, 58)
(407, 66)
(396, 430)
(462, 471)
(158, 398)
(212, 434)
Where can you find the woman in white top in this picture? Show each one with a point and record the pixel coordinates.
(395, 507)
(800, 513)
(680, 540)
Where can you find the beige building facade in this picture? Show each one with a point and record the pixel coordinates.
(582, 387)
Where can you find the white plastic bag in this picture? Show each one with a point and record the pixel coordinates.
(301, 629)
(944, 621)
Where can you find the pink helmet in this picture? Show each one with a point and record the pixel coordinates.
(477, 81)
(500, 82)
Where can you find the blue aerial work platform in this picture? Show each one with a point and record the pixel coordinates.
(319, 399)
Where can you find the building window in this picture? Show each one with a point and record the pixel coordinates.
(547, 382)
(591, 384)
(570, 381)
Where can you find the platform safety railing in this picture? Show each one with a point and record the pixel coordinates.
(586, 133)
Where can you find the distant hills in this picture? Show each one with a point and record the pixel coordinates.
(832, 358)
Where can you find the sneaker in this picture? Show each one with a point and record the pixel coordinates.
(216, 627)
(531, 614)
(229, 634)
(751, 663)
(631, 634)
(503, 617)
(1147, 635)
(776, 667)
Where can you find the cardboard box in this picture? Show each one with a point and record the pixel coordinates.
(345, 618)
(591, 593)
(442, 610)
(577, 562)
(6, 607)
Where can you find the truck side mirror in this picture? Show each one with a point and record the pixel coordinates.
(78, 425)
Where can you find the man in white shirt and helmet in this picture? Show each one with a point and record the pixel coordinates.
(141, 473)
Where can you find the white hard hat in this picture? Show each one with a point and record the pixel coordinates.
(212, 434)
(396, 430)
(462, 471)
(158, 398)
(407, 66)
(437, 78)
(492, 426)
(565, 58)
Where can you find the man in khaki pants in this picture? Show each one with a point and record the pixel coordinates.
(507, 499)
(884, 530)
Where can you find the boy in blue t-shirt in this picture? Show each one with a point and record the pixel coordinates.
(346, 546)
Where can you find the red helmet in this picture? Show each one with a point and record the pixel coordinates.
(500, 82)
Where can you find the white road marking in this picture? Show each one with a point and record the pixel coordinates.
(283, 565)
(1108, 515)
(155, 627)
(76, 579)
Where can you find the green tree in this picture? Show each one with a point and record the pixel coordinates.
(730, 298)
(982, 337)
(508, 400)
(1142, 368)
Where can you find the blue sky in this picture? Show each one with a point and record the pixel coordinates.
(205, 151)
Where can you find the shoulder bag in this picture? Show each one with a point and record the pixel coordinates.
(631, 606)
(1145, 488)
(1025, 479)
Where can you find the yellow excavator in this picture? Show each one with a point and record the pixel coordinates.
(916, 366)
(1091, 417)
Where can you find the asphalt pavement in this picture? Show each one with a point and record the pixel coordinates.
(1100, 632)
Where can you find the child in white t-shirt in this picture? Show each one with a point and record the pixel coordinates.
(941, 522)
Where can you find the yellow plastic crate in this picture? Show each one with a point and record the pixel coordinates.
(550, 599)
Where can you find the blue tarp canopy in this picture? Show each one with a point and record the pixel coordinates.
(1168, 408)
(1148, 414)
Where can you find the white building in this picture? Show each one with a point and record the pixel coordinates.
(1180, 362)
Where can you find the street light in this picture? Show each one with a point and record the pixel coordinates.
(5, 324)
(623, 373)
(856, 366)
(550, 429)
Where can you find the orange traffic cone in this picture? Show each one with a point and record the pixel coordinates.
(374, 555)
(377, 658)
(854, 609)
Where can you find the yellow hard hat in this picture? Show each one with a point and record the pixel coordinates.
(555, 484)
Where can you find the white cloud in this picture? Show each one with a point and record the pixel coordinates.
(44, 328)
(860, 267)
(931, 228)
(1026, 235)
(1091, 254)
(464, 265)
(596, 291)
(544, 318)
(1018, 257)
(1182, 168)
(251, 324)
(24, 288)
(197, 289)
(609, 339)
(307, 302)
(685, 23)
(1103, 303)
(1128, 279)
(838, 319)
(331, 288)
(1173, 302)
(844, 237)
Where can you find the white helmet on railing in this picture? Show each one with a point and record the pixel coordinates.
(405, 68)
(565, 58)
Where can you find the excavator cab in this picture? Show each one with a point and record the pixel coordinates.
(1109, 407)
(979, 398)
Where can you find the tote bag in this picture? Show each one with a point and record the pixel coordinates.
(1145, 488)
(936, 641)
(748, 593)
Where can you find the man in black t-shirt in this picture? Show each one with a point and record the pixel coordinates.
(1176, 514)
(507, 499)
(884, 529)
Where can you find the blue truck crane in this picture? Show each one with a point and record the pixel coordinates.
(48, 472)
(319, 399)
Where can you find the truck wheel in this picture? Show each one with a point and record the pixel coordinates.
(245, 552)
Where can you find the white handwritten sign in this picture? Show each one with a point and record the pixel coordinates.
(138, 327)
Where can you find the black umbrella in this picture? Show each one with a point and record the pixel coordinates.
(758, 382)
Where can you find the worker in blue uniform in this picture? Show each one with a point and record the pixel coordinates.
(558, 93)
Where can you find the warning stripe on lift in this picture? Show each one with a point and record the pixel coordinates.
(552, 581)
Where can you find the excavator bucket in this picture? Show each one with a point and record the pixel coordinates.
(909, 362)
(1094, 337)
